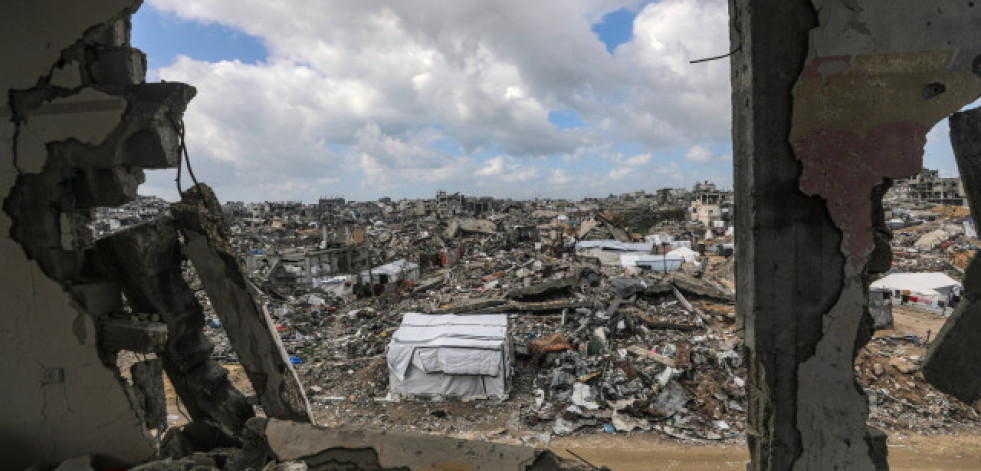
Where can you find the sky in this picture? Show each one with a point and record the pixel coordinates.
(511, 98)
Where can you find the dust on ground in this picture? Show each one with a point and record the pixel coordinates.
(961, 452)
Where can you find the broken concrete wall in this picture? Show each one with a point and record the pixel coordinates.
(952, 361)
(237, 303)
(830, 100)
(77, 127)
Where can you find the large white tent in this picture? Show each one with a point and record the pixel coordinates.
(449, 355)
(921, 284)
(930, 290)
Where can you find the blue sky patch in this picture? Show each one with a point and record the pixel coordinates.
(615, 28)
(565, 119)
(163, 36)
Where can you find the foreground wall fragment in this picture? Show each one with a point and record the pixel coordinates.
(953, 361)
(146, 261)
(362, 449)
(77, 127)
(830, 100)
(237, 303)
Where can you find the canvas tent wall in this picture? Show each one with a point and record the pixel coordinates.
(390, 273)
(923, 289)
(463, 356)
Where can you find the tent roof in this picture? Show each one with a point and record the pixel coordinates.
(919, 283)
(476, 332)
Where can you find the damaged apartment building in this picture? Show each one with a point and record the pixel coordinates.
(928, 188)
(831, 103)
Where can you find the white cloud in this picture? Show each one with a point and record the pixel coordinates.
(703, 155)
(379, 93)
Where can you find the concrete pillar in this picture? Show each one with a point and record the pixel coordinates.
(953, 361)
(830, 102)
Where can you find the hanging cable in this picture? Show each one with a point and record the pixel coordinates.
(180, 149)
(181, 152)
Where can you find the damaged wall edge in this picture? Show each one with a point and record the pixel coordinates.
(60, 399)
(79, 126)
(848, 95)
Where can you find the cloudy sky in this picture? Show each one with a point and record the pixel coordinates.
(510, 98)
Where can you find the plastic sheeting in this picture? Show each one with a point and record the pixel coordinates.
(450, 355)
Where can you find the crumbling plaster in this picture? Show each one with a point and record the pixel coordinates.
(831, 100)
(60, 400)
(879, 76)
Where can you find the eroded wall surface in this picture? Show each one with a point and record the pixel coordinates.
(59, 398)
(831, 100)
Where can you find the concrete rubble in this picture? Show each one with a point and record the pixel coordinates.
(616, 329)
(280, 445)
(599, 347)
(622, 311)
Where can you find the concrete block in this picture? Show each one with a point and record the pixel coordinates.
(106, 187)
(152, 149)
(88, 116)
(31, 152)
(123, 334)
(67, 76)
(148, 386)
(118, 66)
(99, 299)
(365, 449)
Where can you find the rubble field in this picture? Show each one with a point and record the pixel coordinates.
(597, 349)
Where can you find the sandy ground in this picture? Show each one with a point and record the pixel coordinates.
(912, 321)
(933, 453)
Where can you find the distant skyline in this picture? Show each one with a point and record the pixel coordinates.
(552, 98)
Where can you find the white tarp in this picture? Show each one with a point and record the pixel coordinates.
(921, 284)
(615, 245)
(450, 356)
(657, 263)
(687, 254)
(391, 273)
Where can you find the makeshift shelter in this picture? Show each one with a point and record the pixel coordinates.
(658, 263)
(686, 253)
(923, 289)
(609, 251)
(389, 274)
(463, 356)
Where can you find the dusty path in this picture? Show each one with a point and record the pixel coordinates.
(906, 453)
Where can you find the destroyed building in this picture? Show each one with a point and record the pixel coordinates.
(710, 206)
(927, 187)
(831, 102)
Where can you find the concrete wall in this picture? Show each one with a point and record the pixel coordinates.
(831, 100)
(59, 400)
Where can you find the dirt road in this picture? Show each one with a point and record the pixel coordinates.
(906, 453)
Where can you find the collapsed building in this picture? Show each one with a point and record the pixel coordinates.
(927, 187)
(831, 102)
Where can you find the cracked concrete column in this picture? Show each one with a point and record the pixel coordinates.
(831, 99)
(236, 302)
(60, 400)
(78, 124)
(953, 361)
(146, 261)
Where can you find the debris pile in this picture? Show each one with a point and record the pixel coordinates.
(607, 336)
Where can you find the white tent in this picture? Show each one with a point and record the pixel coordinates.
(450, 355)
(918, 284)
(687, 254)
(929, 290)
(390, 273)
